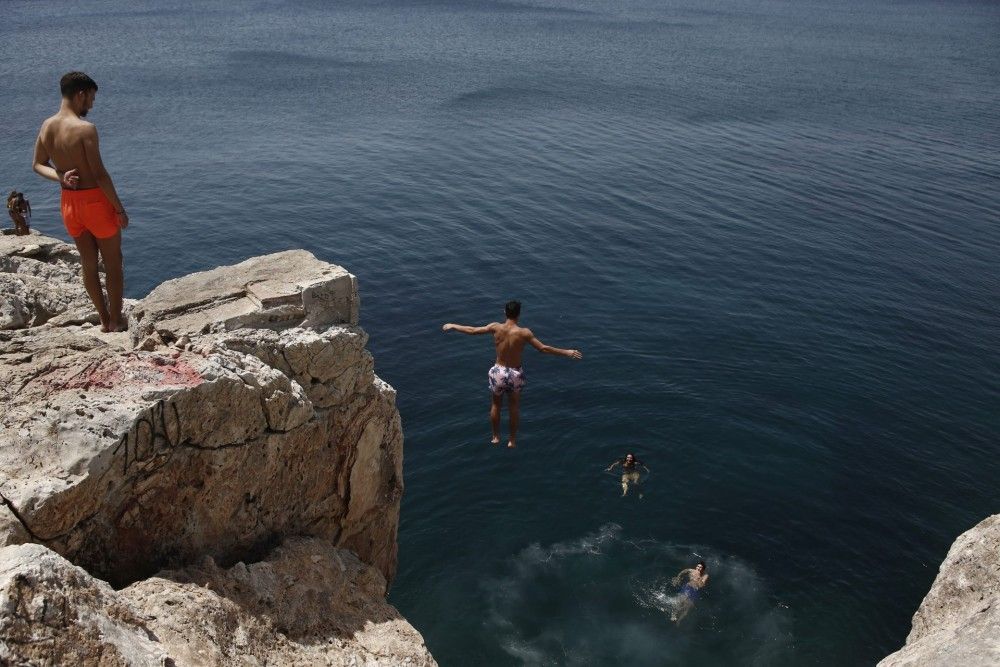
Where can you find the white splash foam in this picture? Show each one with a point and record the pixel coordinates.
(606, 599)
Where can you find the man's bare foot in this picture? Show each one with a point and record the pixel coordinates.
(673, 617)
(510, 444)
(114, 327)
(495, 440)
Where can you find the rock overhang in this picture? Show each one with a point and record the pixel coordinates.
(277, 291)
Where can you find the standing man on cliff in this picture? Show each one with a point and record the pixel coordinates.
(67, 152)
(507, 376)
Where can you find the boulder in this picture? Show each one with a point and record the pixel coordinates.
(958, 623)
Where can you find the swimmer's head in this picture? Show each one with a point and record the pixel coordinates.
(700, 566)
(79, 89)
(512, 309)
(630, 457)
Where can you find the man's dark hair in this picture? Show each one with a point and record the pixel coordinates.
(704, 568)
(75, 82)
(512, 309)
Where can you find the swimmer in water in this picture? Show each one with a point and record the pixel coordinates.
(630, 471)
(697, 578)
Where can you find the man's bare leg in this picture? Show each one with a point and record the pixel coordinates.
(624, 485)
(685, 607)
(495, 417)
(514, 408)
(114, 278)
(87, 245)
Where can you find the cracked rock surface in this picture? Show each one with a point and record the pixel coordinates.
(240, 411)
(958, 623)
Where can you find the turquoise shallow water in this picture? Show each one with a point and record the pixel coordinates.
(771, 227)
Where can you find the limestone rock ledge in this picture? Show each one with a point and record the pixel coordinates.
(958, 623)
(240, 413)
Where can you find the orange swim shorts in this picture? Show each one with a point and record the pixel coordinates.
(89, 210)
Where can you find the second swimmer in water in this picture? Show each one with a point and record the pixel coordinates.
(507, 376)
(697, 578)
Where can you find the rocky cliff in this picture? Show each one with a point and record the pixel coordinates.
(958, 623)
(219, 485)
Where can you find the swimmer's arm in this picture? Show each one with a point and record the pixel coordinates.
(676, 580)
(470, 331)
(92, 153)
(548, 349)
(613, 465)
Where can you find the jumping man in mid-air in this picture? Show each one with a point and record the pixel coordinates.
(507, 376)
(630, 471)
(67, 152)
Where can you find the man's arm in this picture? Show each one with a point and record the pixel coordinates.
(617, 461)
(92, 153)
(471, 331)
(41, 165)
(548, 349)
(677, 580)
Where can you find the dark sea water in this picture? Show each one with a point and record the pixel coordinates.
(770, 226)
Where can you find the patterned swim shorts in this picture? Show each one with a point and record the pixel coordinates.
(506, 380)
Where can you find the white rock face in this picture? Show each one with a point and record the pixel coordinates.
(241, 411)
(958, 623)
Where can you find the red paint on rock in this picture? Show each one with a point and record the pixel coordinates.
(148, 369)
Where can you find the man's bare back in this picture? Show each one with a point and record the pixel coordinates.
(510, 340)
(64, 138)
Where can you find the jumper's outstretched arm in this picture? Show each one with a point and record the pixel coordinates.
(470, 331)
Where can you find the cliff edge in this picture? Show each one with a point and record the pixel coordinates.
(218, 485)
(958, 622)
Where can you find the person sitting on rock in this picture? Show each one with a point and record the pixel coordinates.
(19, 210)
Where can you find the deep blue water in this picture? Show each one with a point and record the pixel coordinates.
(771, 227)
